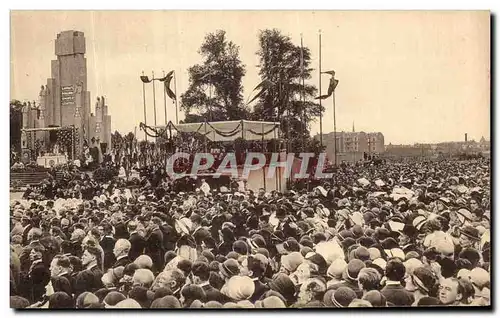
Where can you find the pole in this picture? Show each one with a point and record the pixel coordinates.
(263, 172)
(154, 97)
(144, 100)
(334, 128)
(321, 109)
(73, 144)
(176, 109)
(165, 102)
(303, 95)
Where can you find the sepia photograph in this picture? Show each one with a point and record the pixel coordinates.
(241, 160)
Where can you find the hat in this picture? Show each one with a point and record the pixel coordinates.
(380, 262)
(342, 297)
(113, 298)
(353, 268)
(374, 253)
(291, 261)
(362, 253)
(424, 279)
(229, 268)
(344, 234)
(418, 222)
(376, 298)
(479, 277)
(395, 253)
(336, 269)
(366, 241)
(389, 243)
(284, 285)
(239, 288)
(412, 264)
(470, 232)
(464, 215)
(318, 260)
(270, 302)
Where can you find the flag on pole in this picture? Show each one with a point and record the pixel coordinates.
(264, 86)
(331, 88)
(166, 81)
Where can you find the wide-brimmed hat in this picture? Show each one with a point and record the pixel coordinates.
(470, 232)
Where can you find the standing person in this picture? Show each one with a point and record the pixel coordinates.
(137, 242)
(89, 279)
(107, 243)
(121, 251)
(154, 244)
(38, 276)
(393, 291)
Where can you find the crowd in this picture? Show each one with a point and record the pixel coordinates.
(392, 235)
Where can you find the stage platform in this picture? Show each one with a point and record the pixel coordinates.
(48, 161)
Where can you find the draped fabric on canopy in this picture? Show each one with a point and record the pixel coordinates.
(229, 130)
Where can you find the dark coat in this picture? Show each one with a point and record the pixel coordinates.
(121, 231)
(154, 249)
(88, 280)
(138, 243)
(214, 294)
(108, 244)
(62, 283)
(398, 295)
(122, 262)
(260, 289)
(34, 284)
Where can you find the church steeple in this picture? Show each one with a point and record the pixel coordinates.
(353, 130)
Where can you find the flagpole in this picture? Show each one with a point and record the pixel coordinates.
(165, 101)
(334, 128)
(176, 109)
(320, 106)
(144, 100)
(154, 98)
(303, 96)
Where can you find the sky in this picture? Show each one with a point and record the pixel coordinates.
(415, 76)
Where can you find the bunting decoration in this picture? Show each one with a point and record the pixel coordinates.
(331, 87)
(166, 81)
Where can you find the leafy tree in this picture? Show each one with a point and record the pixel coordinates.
(280, 63)
(16, 123)
(215, 89)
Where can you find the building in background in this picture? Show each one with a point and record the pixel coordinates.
(353, 146)
(65, 101)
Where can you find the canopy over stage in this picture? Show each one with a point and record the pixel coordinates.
(229, 130)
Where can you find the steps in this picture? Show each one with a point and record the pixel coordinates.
(28, 177)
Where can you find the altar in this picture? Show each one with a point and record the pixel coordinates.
(50, 160)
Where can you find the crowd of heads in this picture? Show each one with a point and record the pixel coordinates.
(394, 235)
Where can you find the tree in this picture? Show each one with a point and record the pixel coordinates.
(16, 123)
(215, 89)
(280, 63)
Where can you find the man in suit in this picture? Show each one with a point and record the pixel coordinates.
(60, 274)
(33, 238)
(137, 242)
(107, 243)
(154, 244)
(393, 291)
(38, 276)
(121, 251)
(89, 279)
(201, 274)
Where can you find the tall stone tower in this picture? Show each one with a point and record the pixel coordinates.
(65, 100)
(68, 71)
